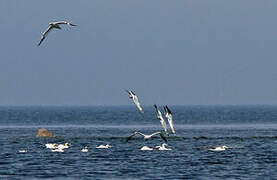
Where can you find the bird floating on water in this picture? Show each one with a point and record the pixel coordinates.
(23, 151)
(52, 25)
(133, 96)
(85, 149)
(160, 117)
(146, 137)
(64, 146)
(51, 146)
(146, 148)
(107, 146)
(168, 115)
(220, 148)
(163, 147)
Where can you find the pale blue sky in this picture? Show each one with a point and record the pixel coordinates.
(169, 52)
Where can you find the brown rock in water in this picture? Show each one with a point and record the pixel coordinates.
(45, 133)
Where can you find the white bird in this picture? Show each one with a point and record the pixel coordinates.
(220, 148)
(51, 26)
(168, 115)
(146, 137)
(163, 147)
(57, 150)
(133, 96)
(146, 148)
(23, 151)
(64, 146)
(107, 146)
(85, 149)
(51, 146)
(160, 117)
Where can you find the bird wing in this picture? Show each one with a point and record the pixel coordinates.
(64, 22)
(168, 110)
(44, 34)
(163, 137)
(163, 124)
(130, 137)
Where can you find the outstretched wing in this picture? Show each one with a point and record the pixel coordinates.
(44, 34)
(163, 137)
(130, 137)
(65, 22)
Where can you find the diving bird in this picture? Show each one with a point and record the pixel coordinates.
(147, 137)
(168, 115)
(52, 25)
(133, 96)
(160, 117)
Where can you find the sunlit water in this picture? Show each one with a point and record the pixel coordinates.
(249, 131)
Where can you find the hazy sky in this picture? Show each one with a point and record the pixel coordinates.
(177, 52)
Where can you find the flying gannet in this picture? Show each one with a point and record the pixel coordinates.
(146, 137)
(160, 117)
(133, 96)
(168, 115)
(51, 26)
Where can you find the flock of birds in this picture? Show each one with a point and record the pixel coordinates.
(167, 112)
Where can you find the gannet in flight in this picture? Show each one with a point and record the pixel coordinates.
(133, 96)
(168, 115)
(160, 117)
(146, 137)
(51, 26)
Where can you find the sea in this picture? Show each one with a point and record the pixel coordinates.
(249, 132)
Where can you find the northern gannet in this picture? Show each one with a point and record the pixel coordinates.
(220, 148)
(85, 149)
(168, 115)
(51, 146)
(64, 146)
(163, 147)
(146, 137)
(57, 150)
(146, 148)
(51, 26)
(103, 146)
(133, 96)
(160, 117)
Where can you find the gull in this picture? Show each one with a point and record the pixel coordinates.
(52, 25)
(146, 137)
(107, 146)
(146, 148)
(220, 148)
(85, 149)
(133, 96)
(168, 115)
(160, 117)
(163, 147)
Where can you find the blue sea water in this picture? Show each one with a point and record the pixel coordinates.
(250, 132)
